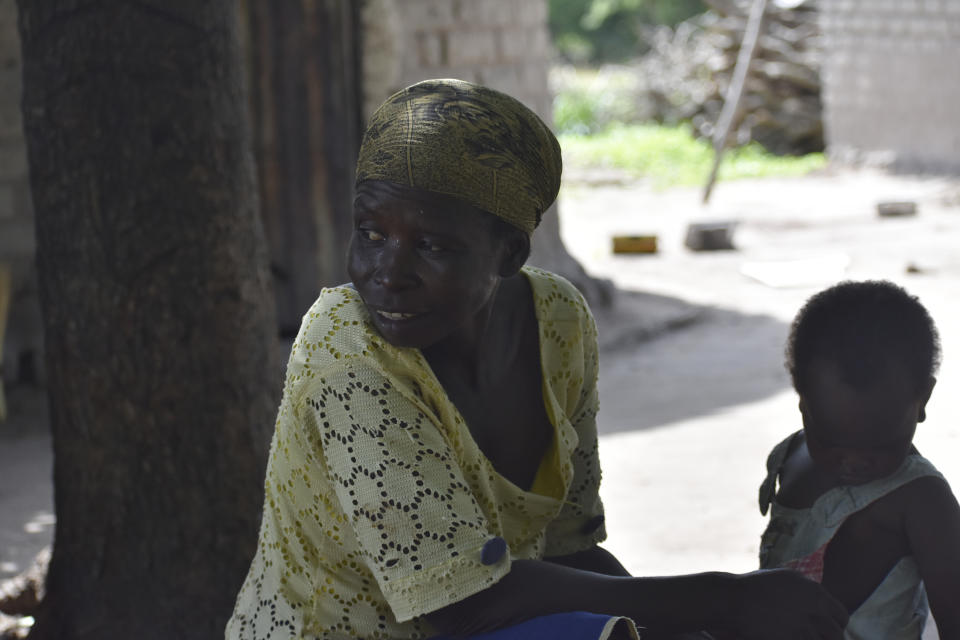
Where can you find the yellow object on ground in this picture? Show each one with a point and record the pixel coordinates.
(634, 244)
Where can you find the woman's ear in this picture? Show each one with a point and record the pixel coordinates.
(515, 253)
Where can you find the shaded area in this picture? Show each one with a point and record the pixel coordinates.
(719, 358)
(633, 317)
(26, 482)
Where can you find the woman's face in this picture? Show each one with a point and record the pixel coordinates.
(427, 266)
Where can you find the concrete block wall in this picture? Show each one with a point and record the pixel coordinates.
(891, 83)
(503, 44)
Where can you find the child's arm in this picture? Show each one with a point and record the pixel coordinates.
(933, 527)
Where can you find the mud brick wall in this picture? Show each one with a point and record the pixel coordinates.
(503, 44)
(892, 84)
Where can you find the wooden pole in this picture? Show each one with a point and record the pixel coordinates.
(735, 91)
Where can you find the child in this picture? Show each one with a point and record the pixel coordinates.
(858, 509)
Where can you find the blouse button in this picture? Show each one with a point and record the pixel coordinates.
(493, 550)
(592, 524)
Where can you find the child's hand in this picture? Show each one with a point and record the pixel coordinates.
(780, 603)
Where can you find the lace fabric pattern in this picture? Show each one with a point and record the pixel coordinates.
(379, 506)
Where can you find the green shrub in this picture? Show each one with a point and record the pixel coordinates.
(590, 100)
(597, 31)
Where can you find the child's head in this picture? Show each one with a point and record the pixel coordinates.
(862, 356)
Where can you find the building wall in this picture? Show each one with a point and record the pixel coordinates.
(891, 82)
(503, 44)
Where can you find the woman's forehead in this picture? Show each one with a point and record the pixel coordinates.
(385, 198)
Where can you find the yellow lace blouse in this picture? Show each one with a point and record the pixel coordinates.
(379, 505)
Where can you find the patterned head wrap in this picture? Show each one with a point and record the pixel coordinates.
(467, 141)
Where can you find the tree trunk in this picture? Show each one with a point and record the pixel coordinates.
(305, 97)
(160, 334)
(548, 252)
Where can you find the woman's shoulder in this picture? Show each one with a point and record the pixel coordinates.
(556, 297)
(334, 299)
(336, 332)
(337, 319)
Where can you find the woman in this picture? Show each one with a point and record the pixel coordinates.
(434, 469)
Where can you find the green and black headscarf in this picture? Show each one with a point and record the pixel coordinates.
(467, 141)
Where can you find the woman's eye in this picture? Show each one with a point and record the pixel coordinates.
(432, 247)
(371, 235)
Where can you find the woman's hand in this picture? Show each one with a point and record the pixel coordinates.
(781, 603)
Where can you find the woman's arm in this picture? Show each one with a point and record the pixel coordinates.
(596, 559)
(753, 605)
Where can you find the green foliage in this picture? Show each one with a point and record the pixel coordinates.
(589, 101)
(671, 156)
(611, 30)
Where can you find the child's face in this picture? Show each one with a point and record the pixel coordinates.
(859, 435)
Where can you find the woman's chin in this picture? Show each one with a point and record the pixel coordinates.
(409, 332)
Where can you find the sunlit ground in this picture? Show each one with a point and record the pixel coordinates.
(687, 419)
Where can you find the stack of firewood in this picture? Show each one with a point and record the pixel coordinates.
(687, 71)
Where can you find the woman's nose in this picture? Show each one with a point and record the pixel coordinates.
(397, 268)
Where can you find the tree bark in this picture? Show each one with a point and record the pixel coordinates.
(306, 113)
(158, 315)
(548, 252)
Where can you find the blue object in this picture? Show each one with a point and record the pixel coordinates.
(493, 550)
(575, 625)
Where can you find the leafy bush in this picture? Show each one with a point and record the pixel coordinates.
(590, 100)
(596, 31)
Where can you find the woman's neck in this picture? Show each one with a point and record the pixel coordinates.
(478, 354)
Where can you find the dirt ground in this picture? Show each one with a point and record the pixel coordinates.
(693, 391)
(687, 418)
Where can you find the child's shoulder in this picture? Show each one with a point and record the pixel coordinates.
(915, 493)
(905, 517)
(801, 480)
(927, 493)
(919, 481)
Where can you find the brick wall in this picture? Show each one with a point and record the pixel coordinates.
(891, 82)
(503, 44)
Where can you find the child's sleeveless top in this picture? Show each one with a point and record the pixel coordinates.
(798, 538)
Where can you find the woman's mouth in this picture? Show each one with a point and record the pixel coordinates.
(395, 315)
